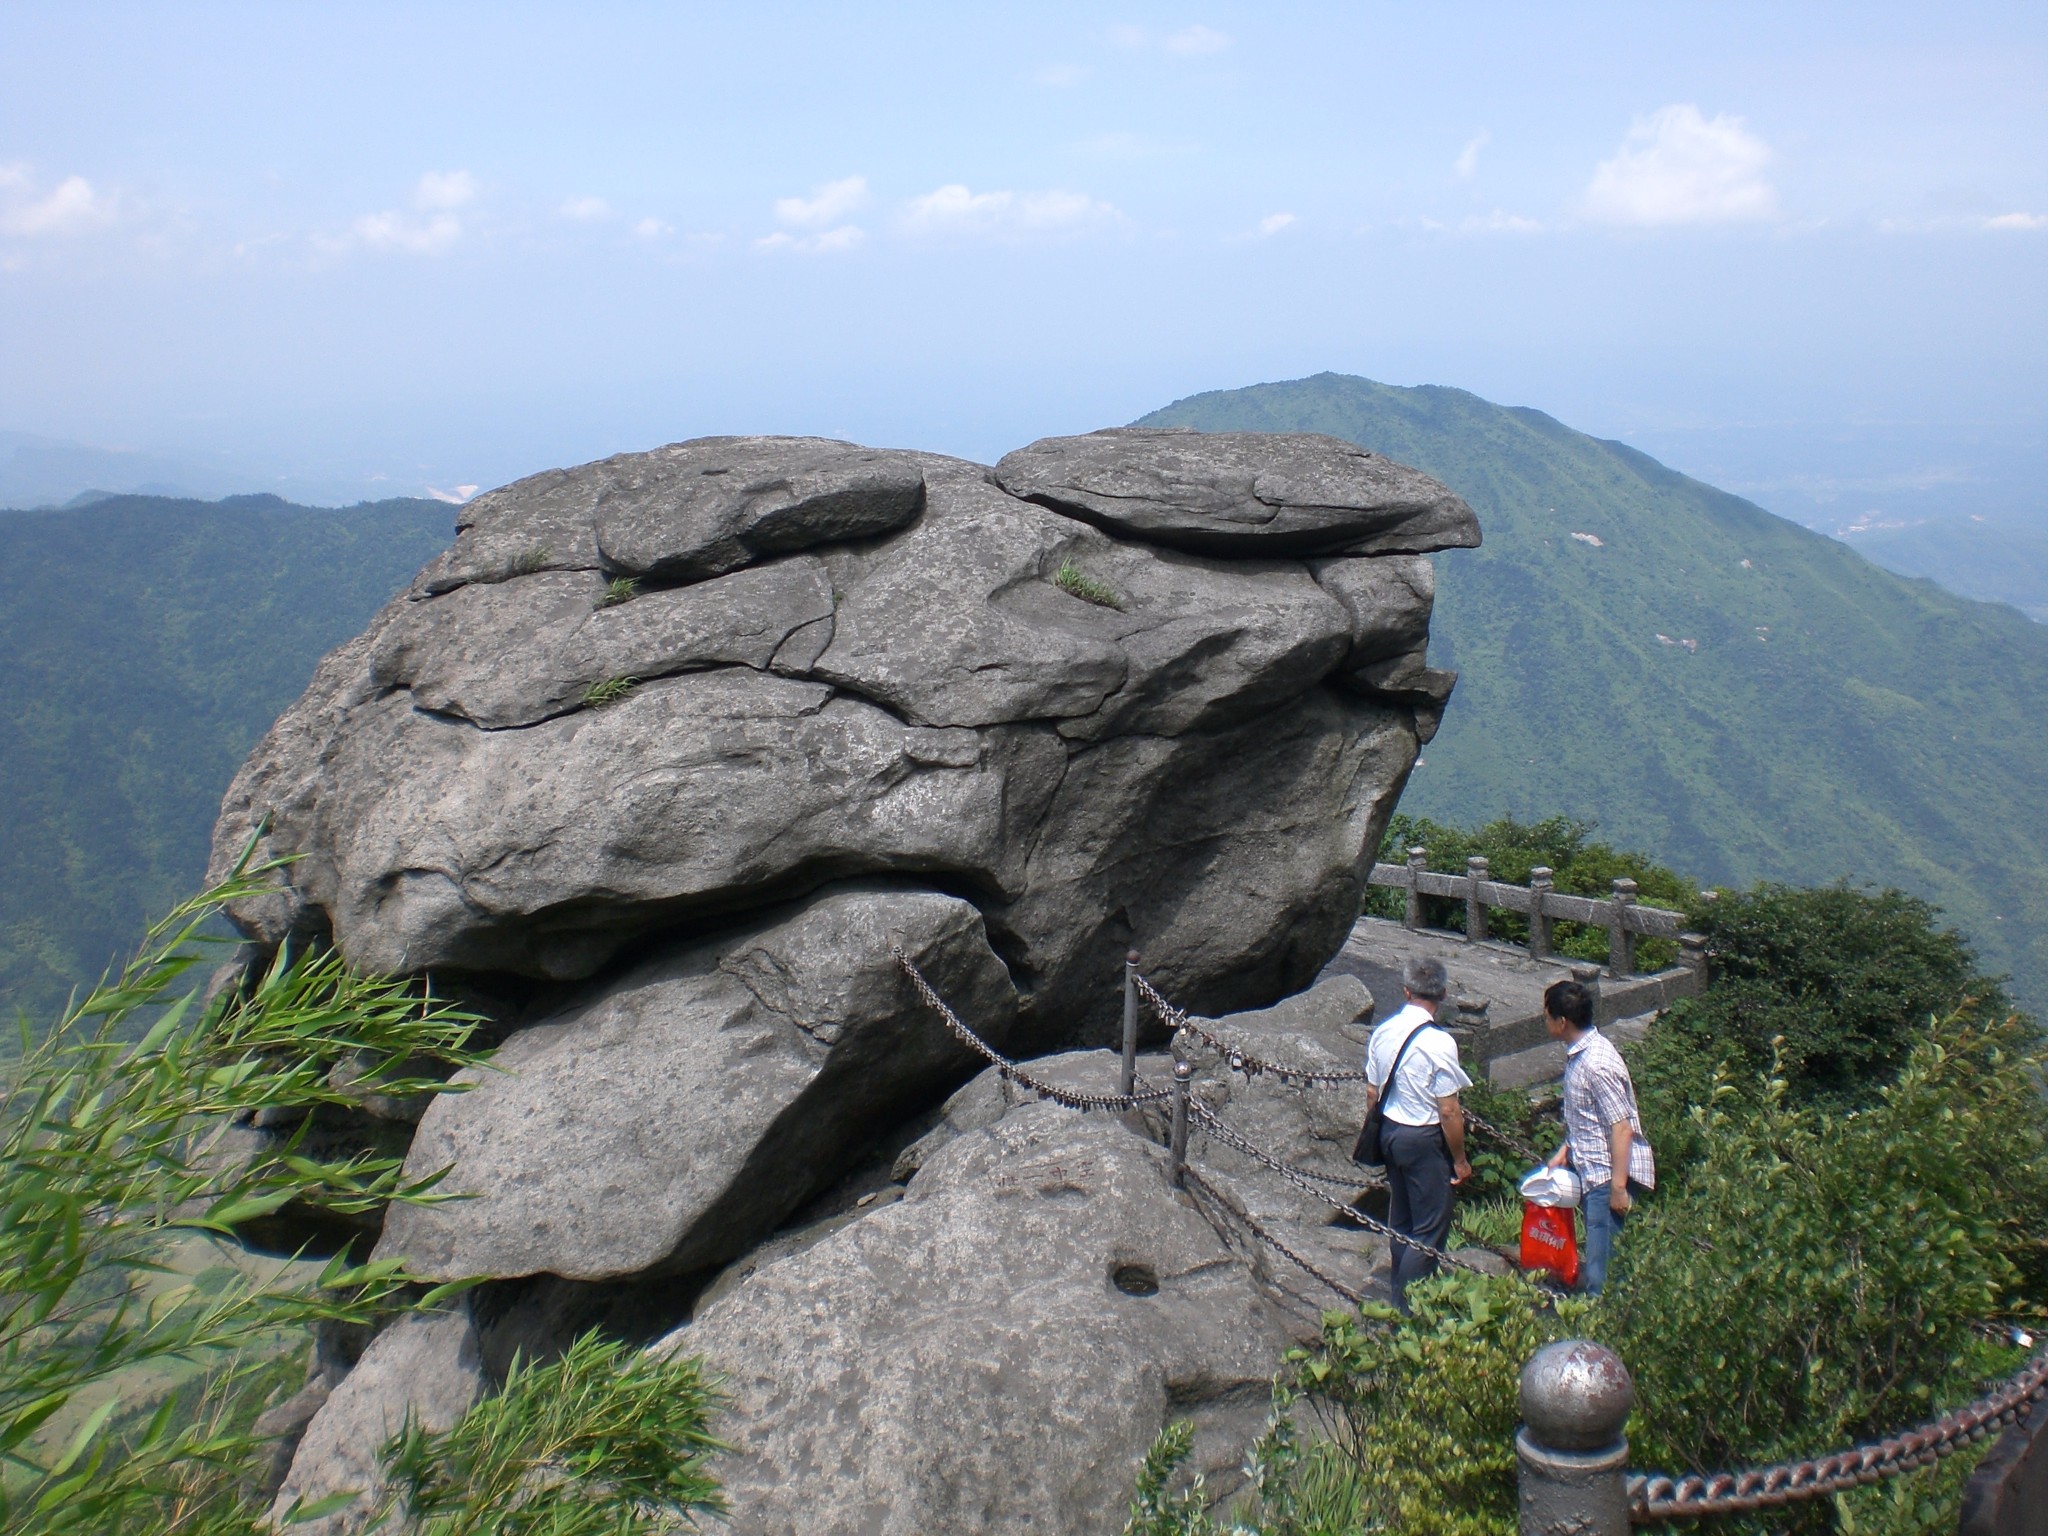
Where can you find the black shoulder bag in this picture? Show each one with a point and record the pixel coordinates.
(1369, 1151)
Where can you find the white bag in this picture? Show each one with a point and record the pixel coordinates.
(1553, 1187)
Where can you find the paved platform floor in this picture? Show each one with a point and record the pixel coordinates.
(1512, 1043)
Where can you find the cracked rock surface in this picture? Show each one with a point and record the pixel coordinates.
(660, 759)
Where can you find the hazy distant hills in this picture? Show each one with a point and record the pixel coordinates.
(2000, 557)
(1711, 683)
(145, 643)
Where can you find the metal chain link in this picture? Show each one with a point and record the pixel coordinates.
(1073, 1098)
(1243, 1061)
(1233, 1139)
(1656, 1496)
(1194, 1177)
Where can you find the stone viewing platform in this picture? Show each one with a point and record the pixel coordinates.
(1497, 994)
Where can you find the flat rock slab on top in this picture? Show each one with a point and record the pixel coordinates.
(705, 507)
(1240, 493)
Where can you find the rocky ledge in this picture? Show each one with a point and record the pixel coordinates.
(656, 765)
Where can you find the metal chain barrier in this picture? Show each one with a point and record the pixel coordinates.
(1073, 1098)
(1656, 1496)
(1251, 1222)
(1242, 1061)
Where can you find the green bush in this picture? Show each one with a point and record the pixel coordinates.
(1579, 866)
(1832, 984)
(109, 1147)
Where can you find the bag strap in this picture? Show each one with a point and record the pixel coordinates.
(1382, 1087)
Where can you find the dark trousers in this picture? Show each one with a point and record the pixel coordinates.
(1418, 1198)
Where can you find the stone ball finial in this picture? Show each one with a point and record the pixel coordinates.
(1576, 1395)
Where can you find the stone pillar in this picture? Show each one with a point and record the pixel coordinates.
(1540, 886)
(1571, 1451)
(1418, 861)
(1692, 954)
(1621, 939)
(1475, 904)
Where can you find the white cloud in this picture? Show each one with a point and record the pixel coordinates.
(841, 237)
(439, 190)
(1273, 223)
(954, 210)
(651, 228)
(1198, 39)
(1678, 167)
(457, 496)
(1467, 163)
(395, 232)
(69, 208)
(585, 210)
(1500, 222)
(828, 204)
(2018, 221)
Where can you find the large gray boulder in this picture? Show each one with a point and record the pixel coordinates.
(671, 1119)
(1293, 493)
(427, 1369)
(660, 761)
(995, 1351)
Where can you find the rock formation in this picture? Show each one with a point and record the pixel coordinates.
(657, 763)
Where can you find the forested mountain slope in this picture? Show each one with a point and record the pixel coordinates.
(1719, 686)
(145, 644)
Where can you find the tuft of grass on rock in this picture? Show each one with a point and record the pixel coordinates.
(621, 589)
(530, 561)
(1075, 582)
(610, 691)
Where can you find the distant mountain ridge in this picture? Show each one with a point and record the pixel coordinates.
(145, 643)
(1712, 683)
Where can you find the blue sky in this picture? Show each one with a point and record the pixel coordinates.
(1801, 249)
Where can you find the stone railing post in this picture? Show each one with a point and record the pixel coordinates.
(1475, 904)
(1571, 1452)
(1466, 1024)
(1621, 939)
(1178, 1145)
(1540, 886)
(1130, 1071)
(1692, 954)
(1418, 861)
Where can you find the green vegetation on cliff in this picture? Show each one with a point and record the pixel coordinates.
(145, 644)
(1697, 676)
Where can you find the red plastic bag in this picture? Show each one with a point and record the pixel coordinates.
(1550, 1241)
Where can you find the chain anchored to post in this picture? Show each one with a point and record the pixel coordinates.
(1182, 1071)
(1130, 1073)
(1573, 1456)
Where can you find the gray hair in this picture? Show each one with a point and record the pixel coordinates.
(1426, 978)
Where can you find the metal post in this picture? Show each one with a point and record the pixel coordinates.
(1182, 1071)
(1621, 939)
(1418, 861)
(1540, 886)
(1130, 1073)
(1572, 1454)
(1475, 903)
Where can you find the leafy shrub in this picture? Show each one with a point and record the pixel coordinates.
(1832, 984)
(108, 1147)
(1579, 866)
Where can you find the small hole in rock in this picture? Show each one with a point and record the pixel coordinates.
(1135, 1279)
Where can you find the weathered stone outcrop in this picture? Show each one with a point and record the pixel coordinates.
(665, 755)
(995, 1351)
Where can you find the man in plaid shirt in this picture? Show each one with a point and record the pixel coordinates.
(1603, 1130)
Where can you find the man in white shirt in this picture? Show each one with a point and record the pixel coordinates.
(1424, 1135)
